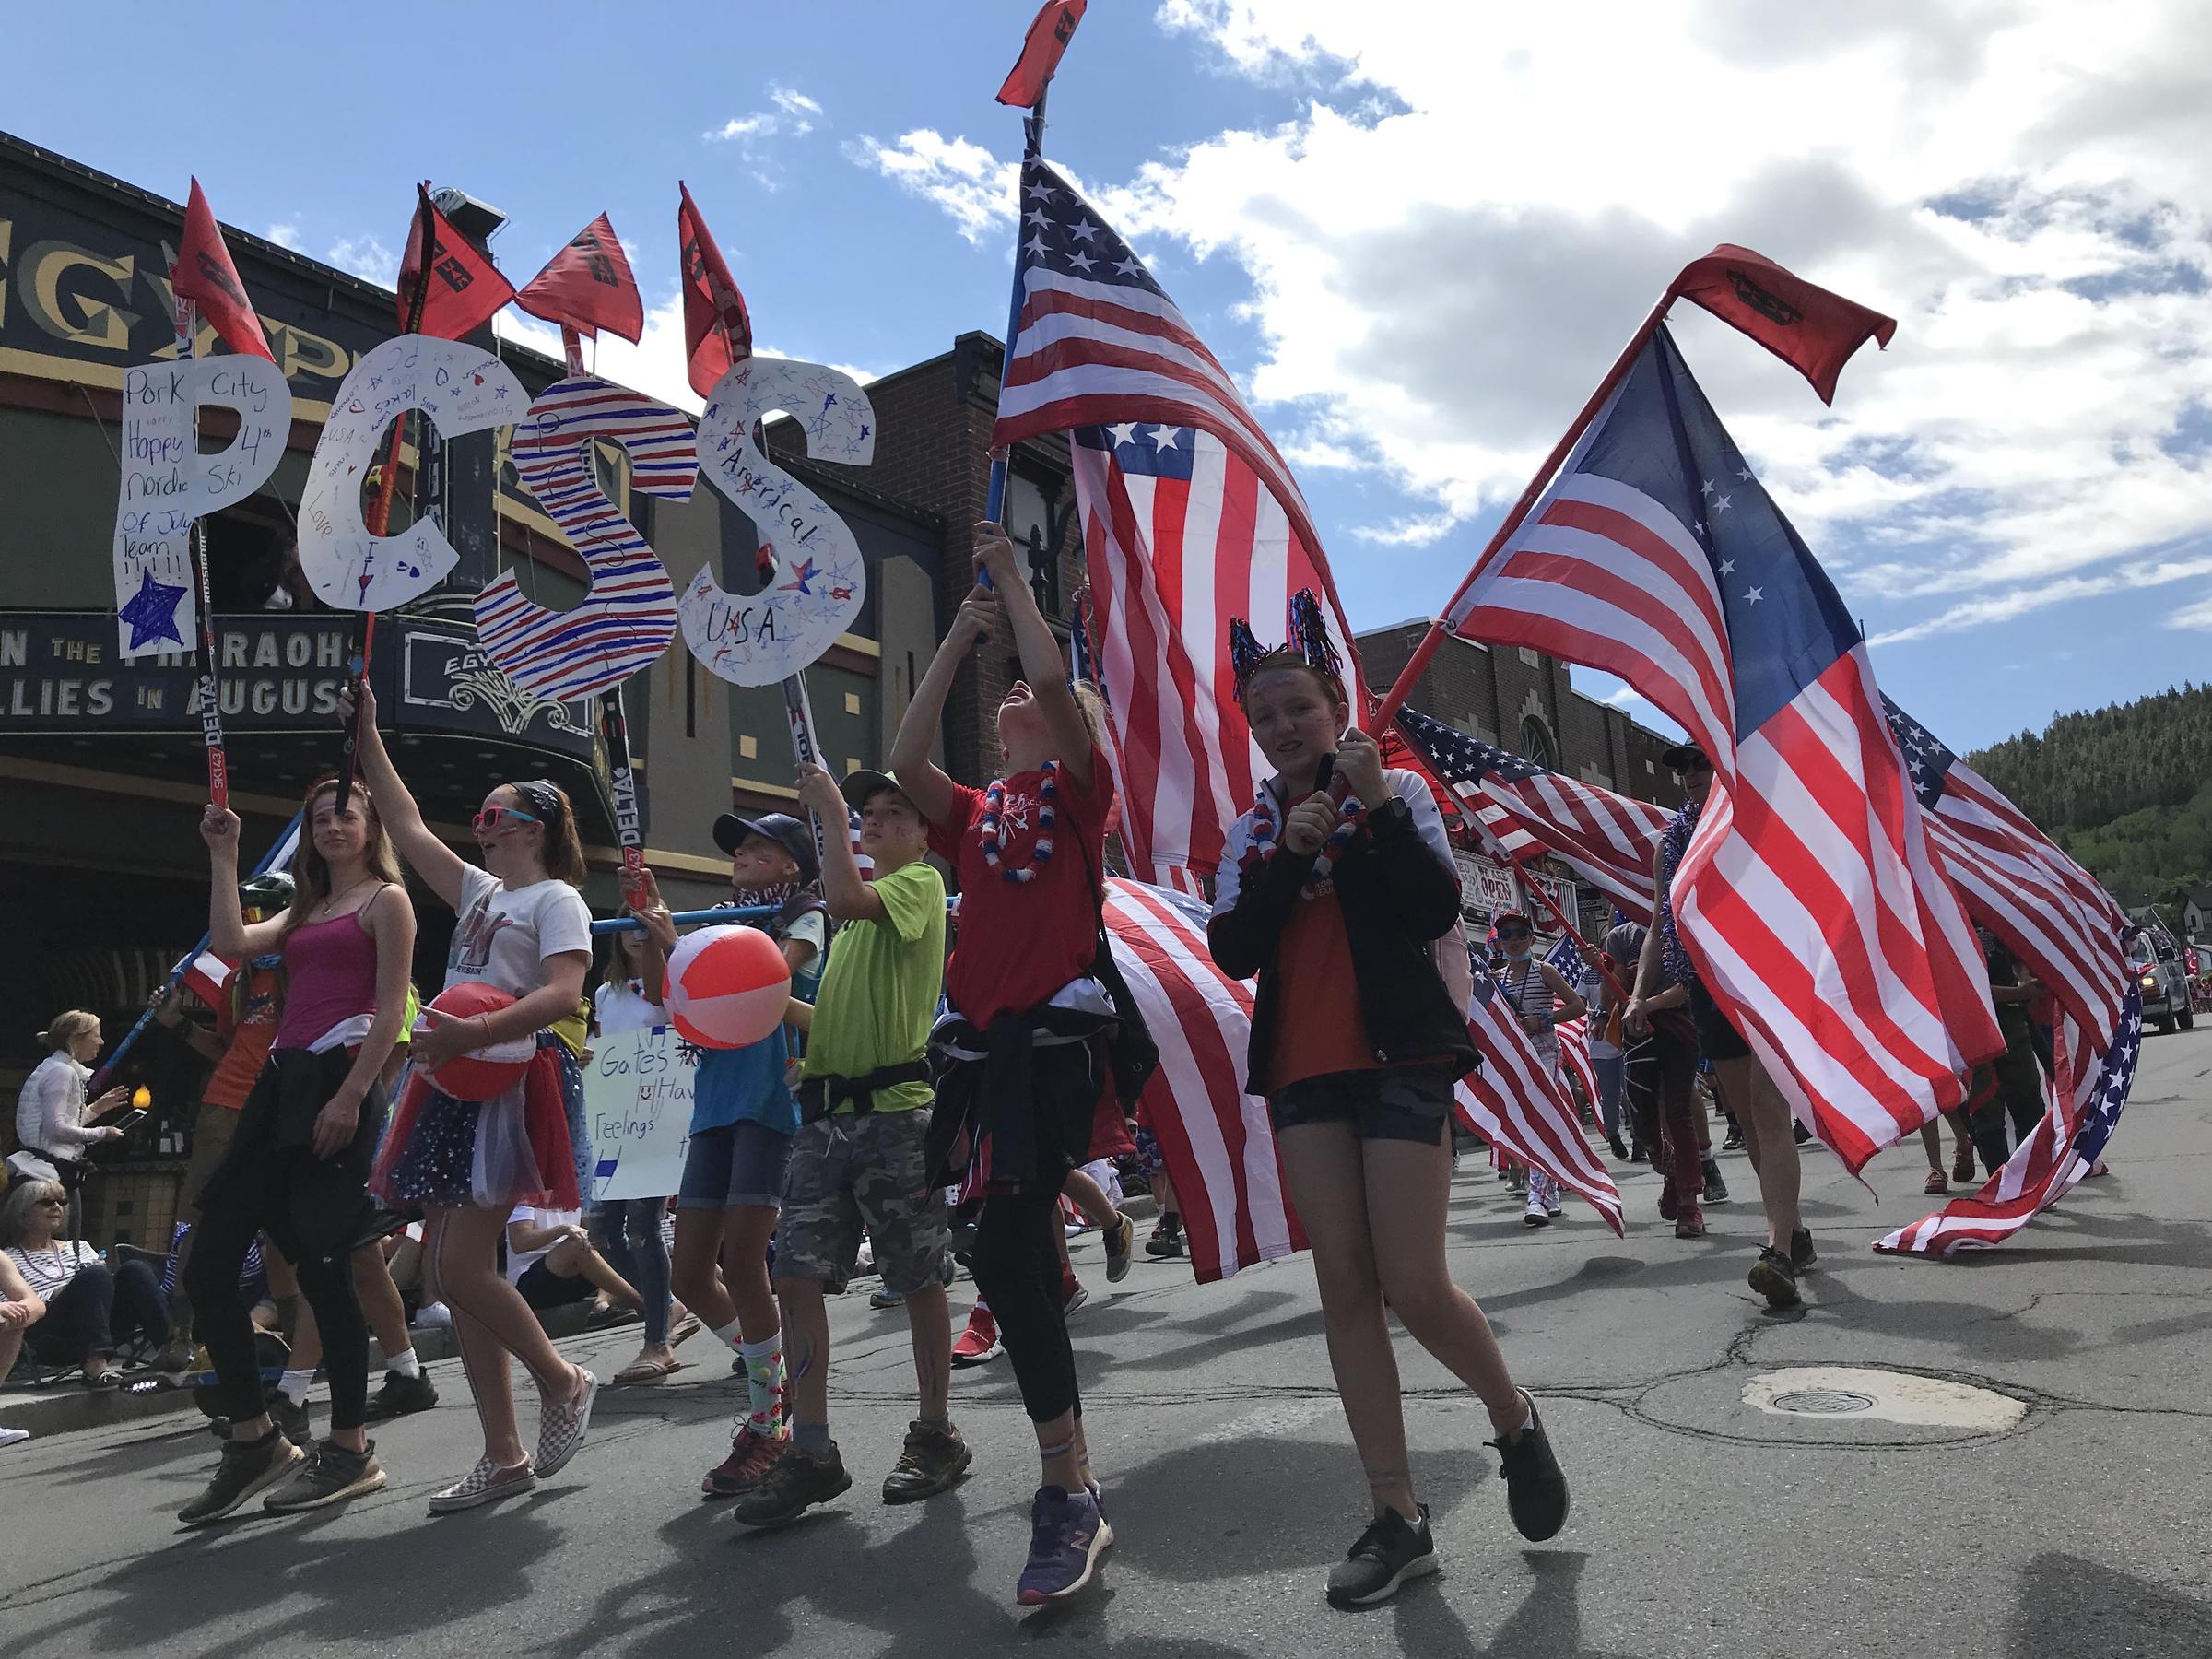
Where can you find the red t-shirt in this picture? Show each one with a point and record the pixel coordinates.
(249, 1036)
(1020, 941)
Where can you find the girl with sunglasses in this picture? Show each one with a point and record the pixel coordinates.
(1542, 997)
(520, 925)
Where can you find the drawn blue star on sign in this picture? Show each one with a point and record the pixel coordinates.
(152, 612)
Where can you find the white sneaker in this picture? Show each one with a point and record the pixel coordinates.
(1535, 1214)
(12, 1437)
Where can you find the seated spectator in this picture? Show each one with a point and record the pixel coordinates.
(90, 1311)
(20, 1308)
(551, 1260)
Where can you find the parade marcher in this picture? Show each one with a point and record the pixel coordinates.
(1355, 1044)
(1540, 994)
(520, 926)
(85, 1311)
(1024, 1086)
(53, 1118)
(2011, 1085)
(1758, 1111)
(743, 1118)
(1662, 1083)
(860, 1158)
(298, 1159)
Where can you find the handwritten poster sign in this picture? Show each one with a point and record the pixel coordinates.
(167, 483)
(463, 390)
(637, 1097)
(820, 579)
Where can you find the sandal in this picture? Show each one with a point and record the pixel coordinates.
(646, 1371)
(108, 1375)
(1938, 1182)
(689, 1326)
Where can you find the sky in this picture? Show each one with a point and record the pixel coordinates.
(1416, 233)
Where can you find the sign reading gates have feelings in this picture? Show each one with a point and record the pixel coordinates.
(637, 1098)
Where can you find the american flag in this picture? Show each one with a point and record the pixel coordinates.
(1516, 1102)
(2087, 1095)
(2047, 908)
(1215, 1138)
(1190, 517)
(628, 616)
(1574, 1055)
(1525, 810)
(1808, 896)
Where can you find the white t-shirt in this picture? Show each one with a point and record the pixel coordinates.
(503, 935)
(518, 1261)
(621, 1005)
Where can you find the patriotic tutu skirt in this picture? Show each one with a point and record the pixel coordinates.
(514, 1148)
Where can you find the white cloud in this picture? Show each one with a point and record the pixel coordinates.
(791, 114)
(285, 235)
(367, 258)
(1475, 207)
(974, 188)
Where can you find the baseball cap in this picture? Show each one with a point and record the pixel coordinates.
(862, 782)
(786, 831)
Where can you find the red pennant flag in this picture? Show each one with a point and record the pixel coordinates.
(1050, 31)
(461, 288)
(1812, 330)
(204, 276)
(587, 287)
(718, 332)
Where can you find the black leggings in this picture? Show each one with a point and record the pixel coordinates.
(1016, 1266)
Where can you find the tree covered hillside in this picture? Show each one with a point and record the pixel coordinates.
(2125, 790)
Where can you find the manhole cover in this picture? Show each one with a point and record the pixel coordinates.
(1822, 1402)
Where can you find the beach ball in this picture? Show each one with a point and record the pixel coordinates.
(727, 986)
(488, 1072)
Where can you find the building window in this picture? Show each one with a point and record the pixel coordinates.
(1531, 658)
(1536, 743)
(748, 747)
(852, 702)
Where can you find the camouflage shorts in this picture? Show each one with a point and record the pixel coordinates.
(868, 1169)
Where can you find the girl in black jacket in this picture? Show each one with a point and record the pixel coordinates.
(1356, 1043)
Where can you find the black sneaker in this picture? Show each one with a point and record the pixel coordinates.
(1166, 1242)
(1801, 1249)
(1121, 1247)
(933, 1459)
(292, 1419)
(248, 1469)
(1734, 1143)
(799, 1479)
(1535, 1491)
(402, 1396)
(1716, 1190)
(331, 1474)
(1390, 1551)
(1774, 1276)
(1619, 1149)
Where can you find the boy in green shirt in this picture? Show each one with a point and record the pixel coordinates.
(858, 1158)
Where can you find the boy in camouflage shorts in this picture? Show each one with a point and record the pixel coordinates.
(858, 1158)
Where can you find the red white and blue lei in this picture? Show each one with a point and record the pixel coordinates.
(992, 828)
(1350, 815)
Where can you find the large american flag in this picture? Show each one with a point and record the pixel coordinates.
(1215, 1138)
(1808, 896)
(1190, 517)
(1526, 811)
(2086, 1096)
(628, 616)
(2047, 908)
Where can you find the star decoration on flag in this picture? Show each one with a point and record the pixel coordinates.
(803, 577)
(152, 611)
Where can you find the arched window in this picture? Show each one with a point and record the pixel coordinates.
(1536, 743)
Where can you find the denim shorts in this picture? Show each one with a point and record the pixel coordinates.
(739, 1163)
(1407, 1103)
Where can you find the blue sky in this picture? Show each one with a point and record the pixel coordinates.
(1417, 245)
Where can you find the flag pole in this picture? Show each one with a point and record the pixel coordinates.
(1033, 148)
(185, 314)
(1432, 641)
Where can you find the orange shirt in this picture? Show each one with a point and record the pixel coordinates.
(1317, 1024)
(250, 1036)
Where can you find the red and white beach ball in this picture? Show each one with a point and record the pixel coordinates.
(727, 986)
(488, 1072)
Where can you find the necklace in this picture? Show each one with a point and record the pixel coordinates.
(992, 828)
(323, 910)
(1351, 814)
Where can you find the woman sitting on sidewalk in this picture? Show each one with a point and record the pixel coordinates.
(91, 1311)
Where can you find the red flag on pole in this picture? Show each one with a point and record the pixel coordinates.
(587, 287)
(204, 276)
(1050, 31)
(718, 332)
(463, 287)
(1812, 330)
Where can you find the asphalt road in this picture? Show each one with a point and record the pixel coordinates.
(1701, 1524)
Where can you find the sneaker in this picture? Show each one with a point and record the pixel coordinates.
(1734, 1143)
(1800, 1133)
(331, 1474)
(1801, 1250)
(1534, 1214)
(486, 1483)
(1390, 1551)
(1551, 1198)
(1166, 1242)
(1516, 1182)
(1535, 1491)
(979, 1343)
(751, 1456)
(292, 1418)
(248, 1469)
(884, 1297)
(560, 1428)
(1774, 1276)
(798, 1479)
(1691, 1223)
(1121, 1248)
(12, 1437)
(930, 1461)
(402, 1396)
(1670, 1205)
(1073, 1293)
(1716, 1190)
(176, 1357)
(1067, 1535)
(1618, 1147)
